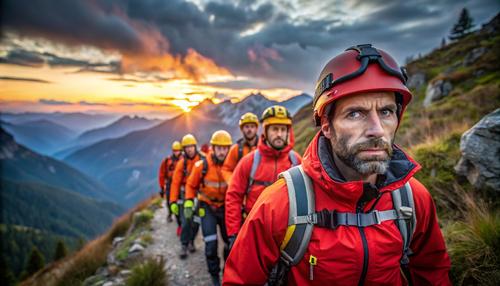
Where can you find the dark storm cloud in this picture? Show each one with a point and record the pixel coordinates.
(73, 22)
(286, 51)
(231, 16)
(23, 58)
(35, 59)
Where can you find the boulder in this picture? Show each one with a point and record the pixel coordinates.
(480, 147)
(474, 55)
(136, 248)
(437, 90)
(416, 80)
(117, 240)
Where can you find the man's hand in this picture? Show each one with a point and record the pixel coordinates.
(174, 207)
(188, 209)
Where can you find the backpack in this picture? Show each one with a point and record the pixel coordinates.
(256, 161)
(302, 218)
(240, 148)
(184, 170)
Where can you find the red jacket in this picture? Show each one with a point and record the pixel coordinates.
(340, 253)
(272, 163)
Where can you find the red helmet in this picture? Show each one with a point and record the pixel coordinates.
(359, 69)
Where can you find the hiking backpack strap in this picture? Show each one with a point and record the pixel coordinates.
(255, 165)
(301, 204)
(184, 168)
(402, 200)
(293, 158)
(240, 148)
(297, 236)
(204, 170)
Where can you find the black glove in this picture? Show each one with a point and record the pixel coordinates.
(231, 239)
(161, 192)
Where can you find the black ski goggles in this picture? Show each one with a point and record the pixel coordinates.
(367, 55)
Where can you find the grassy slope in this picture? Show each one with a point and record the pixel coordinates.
(432, 136)
(75, 268)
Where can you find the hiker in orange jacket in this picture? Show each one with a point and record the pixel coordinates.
(249, 125)
(260, 168)
(352, 213)
(165, 174)
(207, 183)
(177, 193)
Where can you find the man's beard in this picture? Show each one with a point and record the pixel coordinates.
(247, 138)
(278, 147)
(349, 155)
(218, 160)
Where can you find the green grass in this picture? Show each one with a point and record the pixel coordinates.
(150, 273)
(143, 218)
(122, 252)
(141, 222)
(474, 245)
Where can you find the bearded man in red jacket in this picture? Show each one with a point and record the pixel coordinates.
(368, 221)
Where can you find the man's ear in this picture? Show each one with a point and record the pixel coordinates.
(326, 127)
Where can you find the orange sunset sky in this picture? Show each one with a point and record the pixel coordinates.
(158, 58)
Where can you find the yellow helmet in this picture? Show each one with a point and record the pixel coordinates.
(221, 138)
(187, 140)
(248, 117)
(276, 115)
(176, 146)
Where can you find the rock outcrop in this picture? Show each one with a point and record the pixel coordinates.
(480, 147)
(437, 90)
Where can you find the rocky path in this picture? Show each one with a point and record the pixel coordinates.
(191, 271)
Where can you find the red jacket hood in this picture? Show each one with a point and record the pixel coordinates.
(267, 150)
(319, 165)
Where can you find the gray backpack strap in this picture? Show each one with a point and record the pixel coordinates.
(301, 205)
(255, 165)
(404, 205)
(293, 158)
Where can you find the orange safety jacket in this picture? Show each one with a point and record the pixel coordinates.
(206, 182)
(237, 151)
(182, 170)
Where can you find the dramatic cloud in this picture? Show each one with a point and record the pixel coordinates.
(281, 43)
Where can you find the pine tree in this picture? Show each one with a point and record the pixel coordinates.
(61, 250)
(35, 262)
(463, 27)
(7, 278)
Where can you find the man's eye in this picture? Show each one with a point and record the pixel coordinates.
(354, 114)
(387, 112)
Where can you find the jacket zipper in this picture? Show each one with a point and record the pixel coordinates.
(275, 167)
(359, 209)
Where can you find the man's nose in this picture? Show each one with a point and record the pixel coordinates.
(375, 128)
